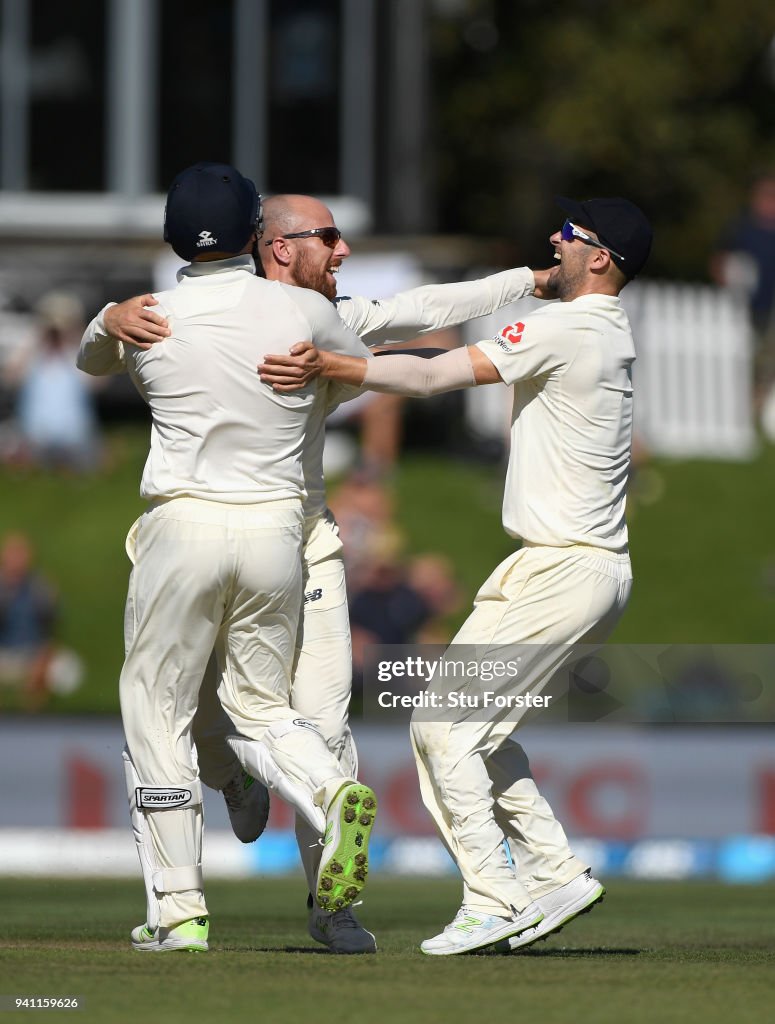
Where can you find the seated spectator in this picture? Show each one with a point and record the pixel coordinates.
(385, 609)
(386, 605)
(29, 657)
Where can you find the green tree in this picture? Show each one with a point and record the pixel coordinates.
(670, 102)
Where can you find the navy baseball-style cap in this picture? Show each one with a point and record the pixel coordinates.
(210, 208)
(618, 223)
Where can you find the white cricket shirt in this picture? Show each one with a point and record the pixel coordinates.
(218, 433)
(401, 318)
(571, 429)
(408, 314)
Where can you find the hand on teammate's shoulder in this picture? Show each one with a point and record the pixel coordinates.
(133, 324)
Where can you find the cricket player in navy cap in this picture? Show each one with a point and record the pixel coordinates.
(217, 560)
(570, 366)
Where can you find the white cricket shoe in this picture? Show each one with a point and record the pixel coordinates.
(341, 931)
(470, 931)
(188, 937)
(559, 907)
(247, 801)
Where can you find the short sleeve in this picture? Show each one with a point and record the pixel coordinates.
(526, 348)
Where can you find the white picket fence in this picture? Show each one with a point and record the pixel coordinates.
(692, 377)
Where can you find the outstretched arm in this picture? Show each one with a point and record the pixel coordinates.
(432, 307)
(393, 374)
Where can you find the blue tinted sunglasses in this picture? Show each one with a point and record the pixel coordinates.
(569, 231)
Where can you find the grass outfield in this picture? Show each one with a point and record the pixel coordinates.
(653, 952)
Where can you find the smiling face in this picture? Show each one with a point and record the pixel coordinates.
(315, 265)
(305, 262)
(573, 258)
(582, 267)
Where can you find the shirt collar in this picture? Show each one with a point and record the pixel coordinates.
(210, 267)
(597, 298)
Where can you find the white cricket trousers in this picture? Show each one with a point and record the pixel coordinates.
(474, 777)
(210, 576)
(322, 676)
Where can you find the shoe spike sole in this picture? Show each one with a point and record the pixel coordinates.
(344, 876)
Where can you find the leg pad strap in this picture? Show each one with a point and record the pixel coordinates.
(178, 879)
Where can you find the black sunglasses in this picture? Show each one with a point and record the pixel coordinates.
(328, 236)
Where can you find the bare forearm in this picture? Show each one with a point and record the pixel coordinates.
(342, 369)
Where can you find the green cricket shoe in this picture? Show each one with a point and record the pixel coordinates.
(188, 937)
(344, 864)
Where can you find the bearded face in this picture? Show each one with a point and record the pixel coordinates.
(315, 267)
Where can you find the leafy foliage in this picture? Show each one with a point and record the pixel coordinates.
(671, 104)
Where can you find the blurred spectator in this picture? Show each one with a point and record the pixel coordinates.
(392, 600)
(385, 609)
(432, 576)
(363, 507)
(56, 425)
(381, 418)
(745, 261)
(386, 605)
(382, 431)
(29, 659)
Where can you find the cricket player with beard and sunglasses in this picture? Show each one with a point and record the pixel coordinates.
(568, 583)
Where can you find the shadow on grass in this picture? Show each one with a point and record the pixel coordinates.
(597, 951)
(275, 949)
(593, 952)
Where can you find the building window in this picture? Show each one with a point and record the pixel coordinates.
(304, 96)
(66, 67)
(195, 80)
